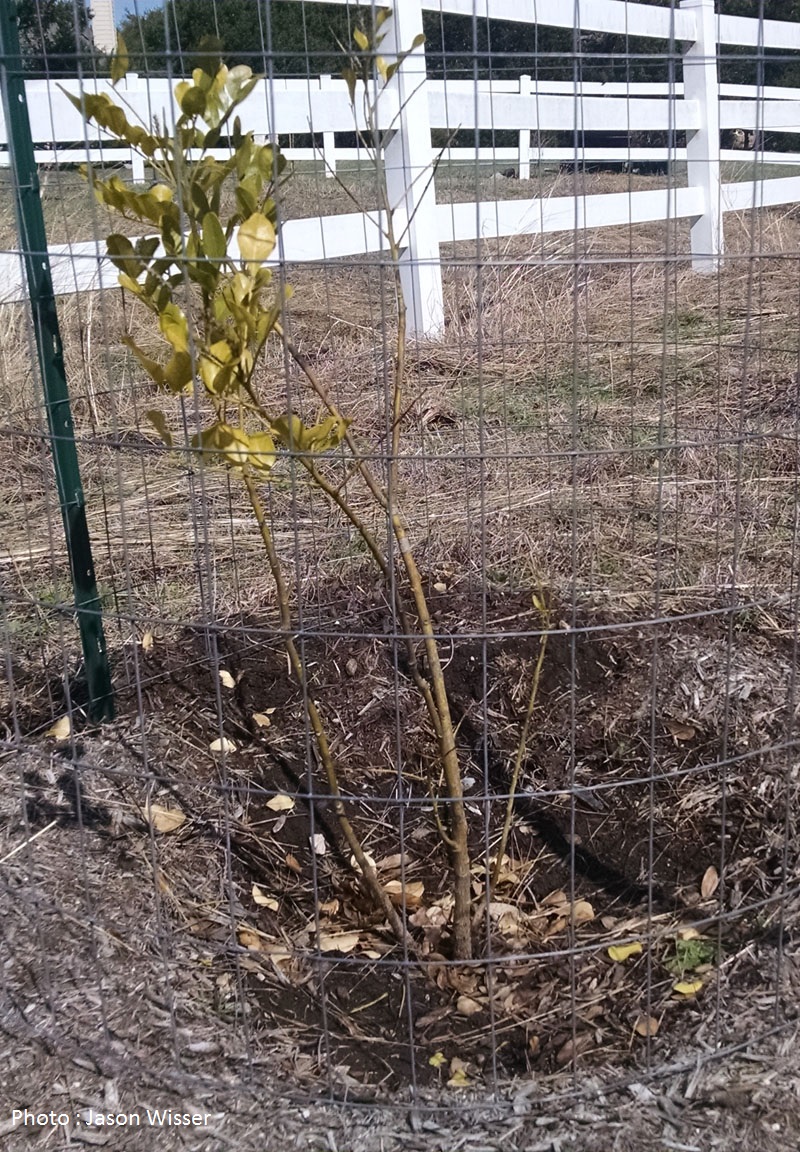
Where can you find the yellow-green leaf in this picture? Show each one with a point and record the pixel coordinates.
(622, 952)
(228, 445)
(349, 77)
(319, 438)
(262, 451)
(233, 444)
(61, 730)
(459, 1079)
(256, 238)
(145, 247)
(161, 193)
(159, 422)
(687, 987)
(126, 281)
(437, 1060)
(361, 39)
(213, 237)
(120, 61)
(178, 372)
(122, 254)
(216, 366)
(327, 434)
(151, 367)
(174, 327)
(192, 100)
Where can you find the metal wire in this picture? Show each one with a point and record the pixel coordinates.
(597, 422)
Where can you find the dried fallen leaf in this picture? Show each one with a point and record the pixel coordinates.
(226, 678)
(680, 731)
(264, 900)
(458, 1073)
(411, 895)
(354, 864)
(439, 586)
(330, 907)
(573, 1048)
(437, 1060)
(646, 1026)
(280, 803)
(687, 987)
(318, 845)
(337, 941)
(466, 1006)
(222, 744)
(61, 730)
(458, 1080)
(554, 899)
(147, 641)
(249, 940)
(622, 952)
(499, 908)
(293, 863)
(688, 934)
(261, 719)
(582, 912)
(710, 882)
(165, 819)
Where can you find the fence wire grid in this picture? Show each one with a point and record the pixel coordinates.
(586, 697)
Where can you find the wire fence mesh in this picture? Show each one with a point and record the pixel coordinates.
(593, 462)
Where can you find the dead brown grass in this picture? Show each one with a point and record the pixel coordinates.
(595, 415)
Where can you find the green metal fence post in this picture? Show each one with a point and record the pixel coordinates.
(33, 244)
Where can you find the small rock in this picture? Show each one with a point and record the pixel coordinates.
(351, 667)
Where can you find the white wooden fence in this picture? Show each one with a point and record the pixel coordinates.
(413, 106)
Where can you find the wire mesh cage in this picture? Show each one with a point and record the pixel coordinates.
(399, 573)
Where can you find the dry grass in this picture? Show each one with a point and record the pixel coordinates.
(596, 415)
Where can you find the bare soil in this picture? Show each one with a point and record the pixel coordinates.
(647, 742)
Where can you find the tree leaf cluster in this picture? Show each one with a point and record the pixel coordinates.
(203, 274)
(55, 36)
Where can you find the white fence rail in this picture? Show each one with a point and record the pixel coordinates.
(414, 106)
(60, 137)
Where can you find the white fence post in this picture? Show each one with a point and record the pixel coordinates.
(137, 160)
(700, 82)
(409, 177)
(525, 135)
(328, 138)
